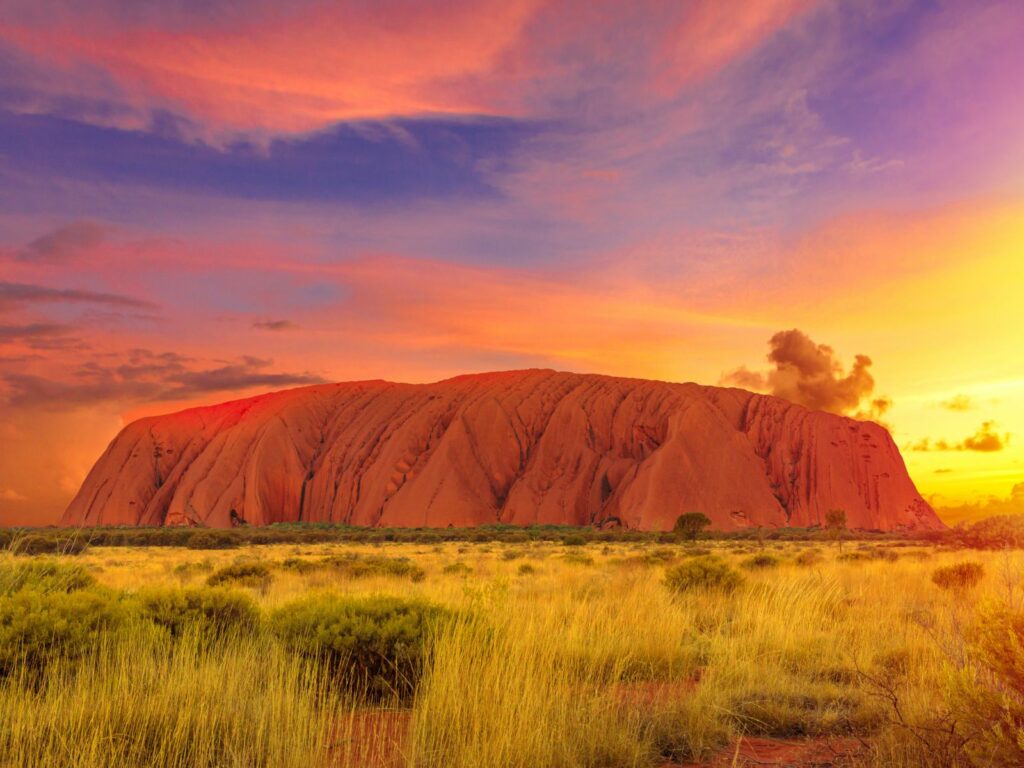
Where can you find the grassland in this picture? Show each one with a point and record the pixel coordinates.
(529, 653)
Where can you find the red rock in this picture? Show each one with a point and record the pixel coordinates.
(518, 447)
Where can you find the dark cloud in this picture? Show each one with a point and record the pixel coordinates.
(985, 440)
(13, 294)
(145, 376)
(41, 336)
(957, 403)
(275, 325)
(810, 374)
(31, 331)
(64, 243)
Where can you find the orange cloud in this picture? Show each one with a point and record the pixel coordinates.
(984, 440)
(957, 403)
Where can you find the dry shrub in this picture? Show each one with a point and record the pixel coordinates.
(959, 576)
(760, 562)
(458, 568)
(708, 573)
(254, 575)
(360, 567)
(808, 557)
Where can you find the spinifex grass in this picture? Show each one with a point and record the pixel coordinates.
(587, 660)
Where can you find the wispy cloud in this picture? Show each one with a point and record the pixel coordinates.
(144, 376)
(275, 325)
(14, 294)
(64, 243)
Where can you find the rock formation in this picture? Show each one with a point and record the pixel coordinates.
(519, 447)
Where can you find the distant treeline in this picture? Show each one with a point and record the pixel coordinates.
(992, 533)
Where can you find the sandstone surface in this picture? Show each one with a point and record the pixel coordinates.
(517, 447)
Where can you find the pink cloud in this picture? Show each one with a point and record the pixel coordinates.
(256, 69)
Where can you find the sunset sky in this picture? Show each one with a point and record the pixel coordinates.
(201, 201)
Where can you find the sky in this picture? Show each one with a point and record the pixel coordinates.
(818, 199)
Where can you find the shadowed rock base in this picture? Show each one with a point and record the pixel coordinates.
(519, 447)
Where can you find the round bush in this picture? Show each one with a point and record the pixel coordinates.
(210, 613)
(377, 645)
(958, 577)
(702, 573)
(361, 567)
(525, 569)
(457, 569)
(808, 557)
(37, 628)
(255, 575)
(298, 565)
(760, 562)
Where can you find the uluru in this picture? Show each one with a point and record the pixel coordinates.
(517, 447)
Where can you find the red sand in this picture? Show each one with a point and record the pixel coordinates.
(792, 753)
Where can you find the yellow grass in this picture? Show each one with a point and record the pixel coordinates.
(574, 664)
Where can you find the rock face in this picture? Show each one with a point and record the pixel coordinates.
(519, 447)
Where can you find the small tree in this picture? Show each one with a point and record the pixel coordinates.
(690, 524)
(835, 526)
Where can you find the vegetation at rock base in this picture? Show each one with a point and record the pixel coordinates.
(689, 525)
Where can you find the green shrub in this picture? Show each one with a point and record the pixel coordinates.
(210, 613)
(43, 576)
(38, 544)
(361, 567)
(37, 628)
(512, 554)
(457, 569)
(255, 575)
(578, 558)
(691, 524)
(525, 569)
(761, 561)
(210, 539)
(187, 570)
(574, 540)
(376, 644)
(702, 573)
(298, 565)
(693, 551)
(959, 576)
